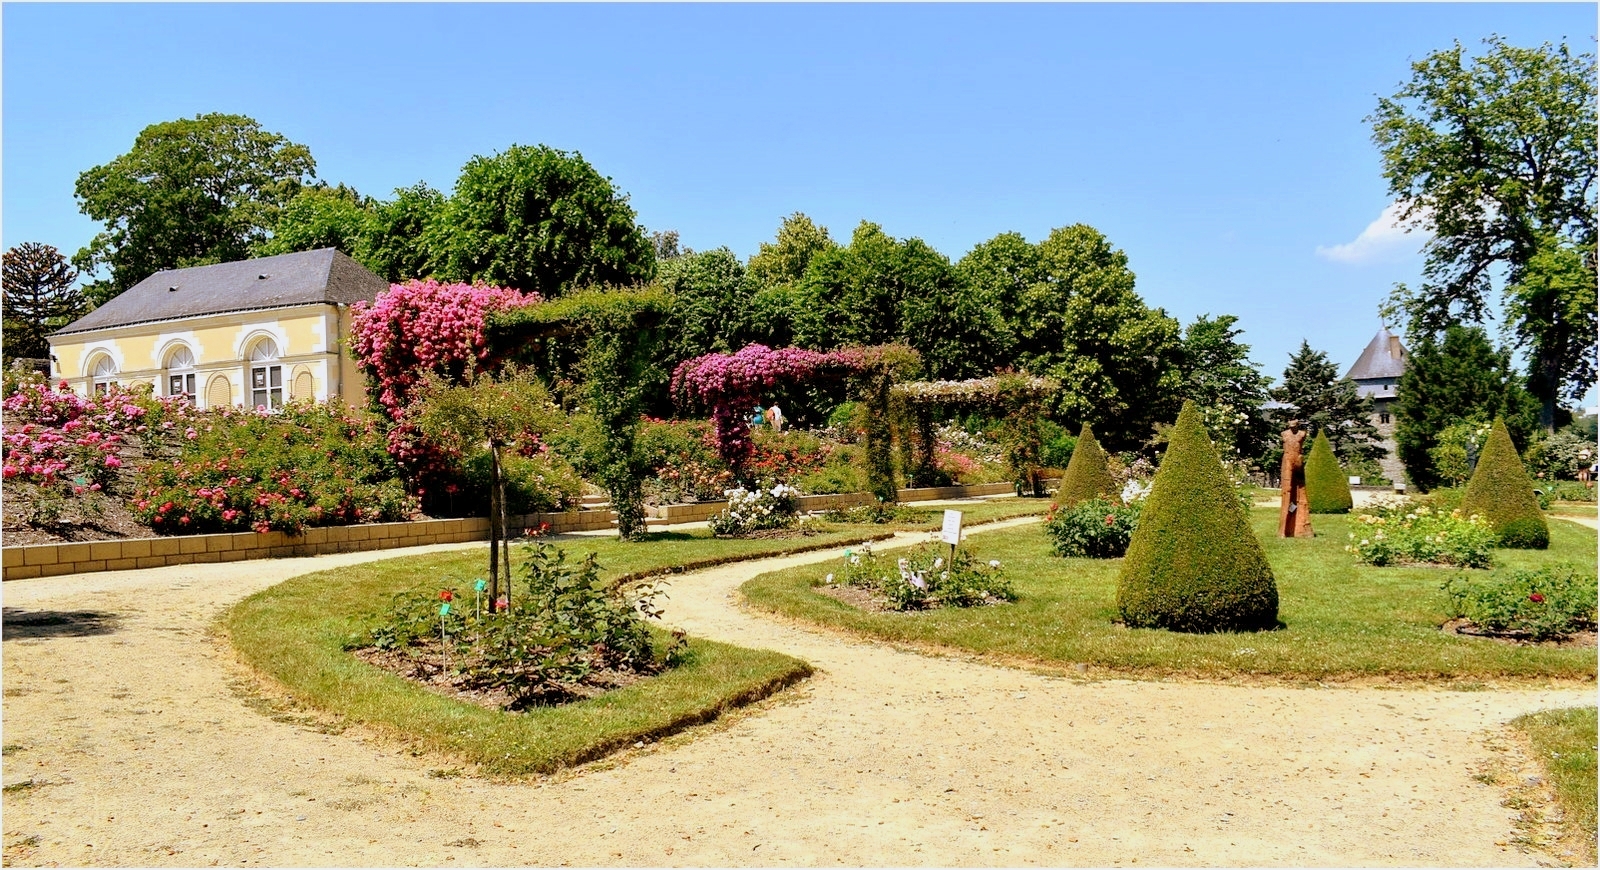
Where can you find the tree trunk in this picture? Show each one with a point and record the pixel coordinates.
(505, 531)
(1546, 384)
(494, 513)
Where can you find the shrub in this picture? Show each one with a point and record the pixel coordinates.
(534, 484)
(1400, 534)
(532, 648)
(1564, 490)
(1550, 602)
(767, 507)
(1058, 446)
(1095, 529)
(1327, 487)
(1502, 493)
(1087, 476)
(922, 579)
(1193, 563)
(306, 465)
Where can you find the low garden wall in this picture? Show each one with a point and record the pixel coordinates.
(45, 560)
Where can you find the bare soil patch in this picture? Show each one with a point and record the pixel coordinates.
(426, 667)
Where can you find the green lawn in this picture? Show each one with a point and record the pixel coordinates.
(1564, 743)
(1342, 620)
(295, 633)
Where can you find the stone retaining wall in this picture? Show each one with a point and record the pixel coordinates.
(45, 560)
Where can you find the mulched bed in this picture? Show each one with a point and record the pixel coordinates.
(1466, 628)
(866, 599)
(421, 665)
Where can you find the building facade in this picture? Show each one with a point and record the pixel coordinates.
(1377, 375)
(252, 333)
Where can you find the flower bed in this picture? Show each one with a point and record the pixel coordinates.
(1544, 604)
(765, 508)
(1397, 534)
(922, 580)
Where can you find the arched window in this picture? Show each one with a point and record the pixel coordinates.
(180, 372)
(102, 374)
(266, 375)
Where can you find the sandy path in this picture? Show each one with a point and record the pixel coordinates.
(141, 754)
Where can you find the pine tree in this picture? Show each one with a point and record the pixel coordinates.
(1193, 563)
(39, 298)
(1330, 403)
(1327, 486)
(1501, 492)
(1461, 378)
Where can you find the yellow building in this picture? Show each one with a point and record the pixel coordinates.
(253, 333)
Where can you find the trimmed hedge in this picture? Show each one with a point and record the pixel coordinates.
(1087, 476)
(1327, 487)
(1193, 564)
(1502, 493)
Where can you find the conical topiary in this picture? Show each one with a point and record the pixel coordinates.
(1501, 493)
(1193, 563)
(1327, 487)
(1086, 476)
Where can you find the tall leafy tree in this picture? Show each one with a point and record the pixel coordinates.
(1462, 378)
(882, 290)
(1083, 324)
(399, 245)
(1227, 387)
(711, 296)
(539, 220)
(1497, 154)
(39, 298)
(191, 191)
(322, 217)
(1329, 403)
(786, 258)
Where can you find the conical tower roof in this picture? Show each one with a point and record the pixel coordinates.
(1384, 357)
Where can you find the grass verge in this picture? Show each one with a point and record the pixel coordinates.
(1563, 741)
(294, 633)
(1343, 621)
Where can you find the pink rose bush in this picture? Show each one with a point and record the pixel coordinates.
(731, 385)
(420, 327)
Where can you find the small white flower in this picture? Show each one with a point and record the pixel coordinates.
(994, 563)
(939, 562)
(829, 579)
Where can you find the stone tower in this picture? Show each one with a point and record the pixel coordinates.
(1377, 375)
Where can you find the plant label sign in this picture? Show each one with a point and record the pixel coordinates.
(951, 532)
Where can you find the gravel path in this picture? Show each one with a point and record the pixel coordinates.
(127, 743)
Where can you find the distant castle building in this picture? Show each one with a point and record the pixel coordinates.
(1377, 375)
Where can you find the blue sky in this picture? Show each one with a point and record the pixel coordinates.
(1221, 146)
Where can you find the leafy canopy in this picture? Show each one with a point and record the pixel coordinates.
(536, 219)
(190, 192)
(1497, 155)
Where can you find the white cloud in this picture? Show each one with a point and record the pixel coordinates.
(1383, 236)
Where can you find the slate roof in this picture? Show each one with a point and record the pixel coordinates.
(302, 278)
(1384, 357)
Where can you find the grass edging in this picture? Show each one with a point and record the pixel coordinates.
(294, 635)
(1563, 743)
(1344, 622)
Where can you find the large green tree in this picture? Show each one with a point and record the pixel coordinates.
(1497, 156)
(786, 258)
(1227, 387)
(1329, 403)
(1116, 358)
(539, 220)
(322, 217)
(192, 191)
(38, 298)
(1462, 378)
(399, 243)
(883, 290)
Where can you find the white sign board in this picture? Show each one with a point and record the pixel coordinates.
(951, 533)
(1355, 481)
